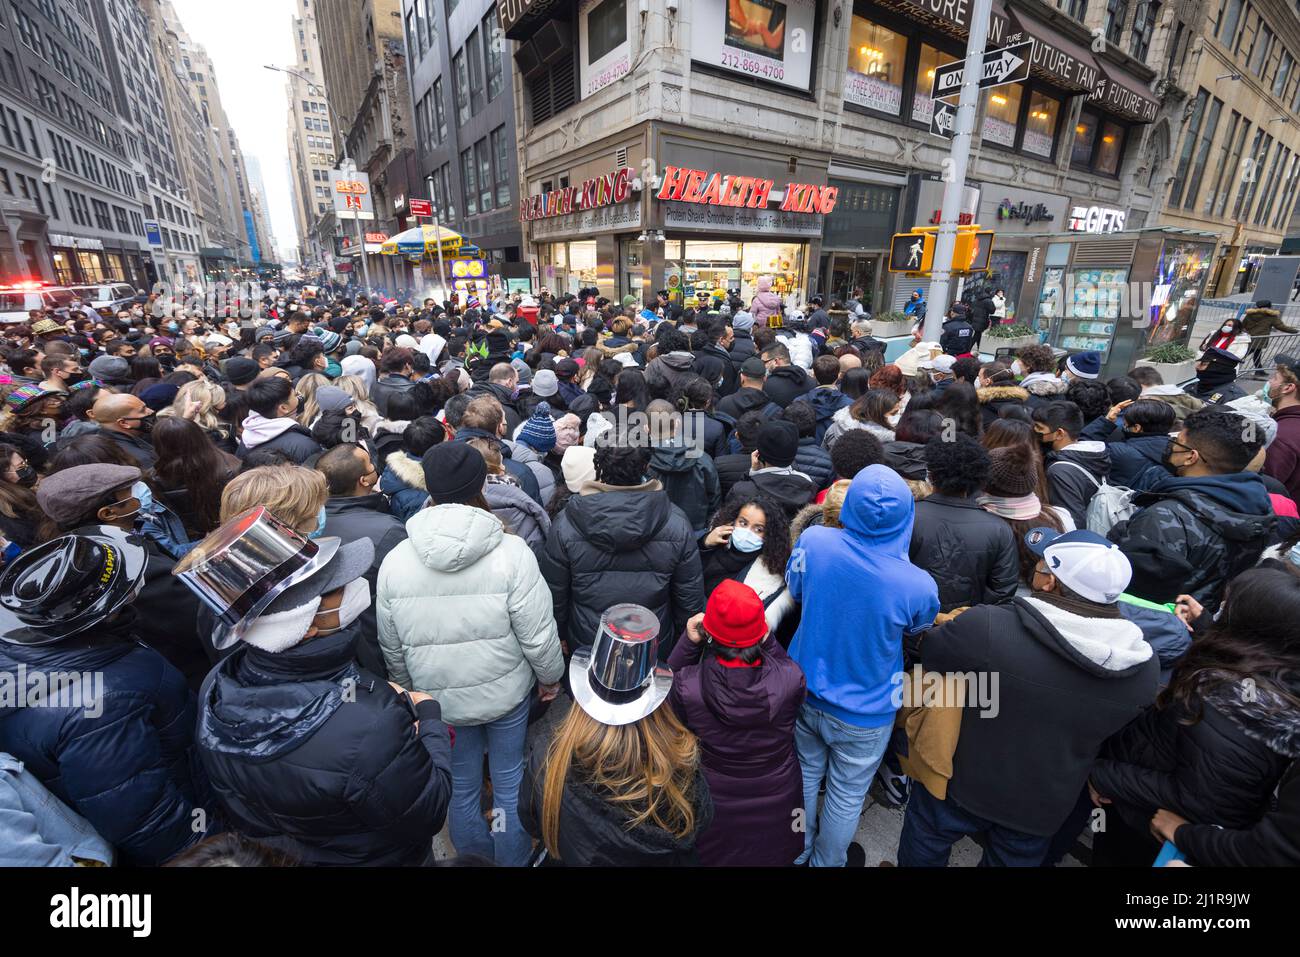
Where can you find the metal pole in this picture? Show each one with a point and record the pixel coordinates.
(365, 267)
(442, 269)
(963, 129)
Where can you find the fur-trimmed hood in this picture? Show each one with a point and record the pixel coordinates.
(409, 470)
(806, 517)
(1263, 714)
(1000, 393)
(1044, 384)
(609, 352)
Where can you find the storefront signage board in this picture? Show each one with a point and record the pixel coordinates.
(587, 221)
(705, 188)
(678, 215)
(1096, 219)
(609, 189)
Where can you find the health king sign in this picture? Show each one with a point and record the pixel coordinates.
(684, 185)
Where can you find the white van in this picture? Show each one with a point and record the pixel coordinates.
(18, 300)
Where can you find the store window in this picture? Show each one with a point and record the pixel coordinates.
(930, 60)
(1085, 138)
(1098, 144)
(694, 266)
(1040, 124)
(877, 57)
(1003, 114)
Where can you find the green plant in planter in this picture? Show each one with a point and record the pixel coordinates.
(891, 317)
(1171, 353)
(1013, 330)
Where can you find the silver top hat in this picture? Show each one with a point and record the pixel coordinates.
(245, 565)
(618, 680)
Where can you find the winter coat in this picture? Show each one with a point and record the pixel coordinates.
(666, 372)
(1282, 461)
(742, 347)
(521, 514)
(1259, 323)
(856, 583)
(970, 554)
(994, 398)
(957, 338)
(785, 384)
(39, 830)
(502, 395)
(615, 544)
(981, 312)
(464, 615)
(1067, 679)
(1184, 404)
(788, 487)
(826, 402)
(1220, 770)
(1161, 628)
(748, 400)
(525, 454)
(140, 449)
(522, 473)
(843, 421)
(1272, 841)
(1043, 387)
(1220, 394)
(1193, 535)
(319, 758)
(713, 363)
(815, 462)
(706, 430)
(385, 386)
(907, 459)
(744, 719)
(167, 617)
(1073, 476)
(690, 480)
(403, 483)
(1138, 460)
(765, 305)
(277, 435)
(120, 754)
(802, 349)
(594, 832)
(732, 470)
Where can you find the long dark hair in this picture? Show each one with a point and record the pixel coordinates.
(776, 528)
(632, 389)
(187, 459)
(1254, 639)
(874, 405)
(16, 501)
(961, 403)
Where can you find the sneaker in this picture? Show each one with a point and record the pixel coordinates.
(896, 786)
(856, 855)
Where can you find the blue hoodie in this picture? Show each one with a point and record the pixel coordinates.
(1242, 492)
(860, 596)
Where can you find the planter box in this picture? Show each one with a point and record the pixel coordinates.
(993, 343)
(1174, 373)
(886, 330)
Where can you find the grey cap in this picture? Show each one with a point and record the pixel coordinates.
(67, 496)
(545, 383)
(109, 369)
(330, 398)
(524, 369)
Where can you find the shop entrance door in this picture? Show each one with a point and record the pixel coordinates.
(848, 271)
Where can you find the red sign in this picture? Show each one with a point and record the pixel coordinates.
(421, 207)
(602, 191)
(343, 267)
(376, 237)
(752, 192)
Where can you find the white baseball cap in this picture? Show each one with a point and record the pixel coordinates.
(1083, 561)
(942, 363)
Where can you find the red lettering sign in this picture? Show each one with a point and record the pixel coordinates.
(604, 190)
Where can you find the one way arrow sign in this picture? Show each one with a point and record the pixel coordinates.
(1003, 65)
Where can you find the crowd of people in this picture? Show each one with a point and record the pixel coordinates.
(595, 582)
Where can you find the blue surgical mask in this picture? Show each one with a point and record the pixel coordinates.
(320, 524)
(144, 494)
(745, 540)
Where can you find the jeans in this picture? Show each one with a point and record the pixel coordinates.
(931, 827)
(503, 839)
(847, 757)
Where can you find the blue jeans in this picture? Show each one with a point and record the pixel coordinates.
(847, 757)
(502, 839)
(931, 827)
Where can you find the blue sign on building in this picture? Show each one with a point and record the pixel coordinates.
(251, 230)
(153, 233)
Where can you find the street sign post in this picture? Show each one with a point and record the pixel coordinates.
(421, 208)
(943, 120)
(1009, 64)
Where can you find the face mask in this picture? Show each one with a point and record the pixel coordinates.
(144, 495)
(745, 540)
(26, 476)
(1167, 458)
(173, 327)
(356, 599)
(892, 420)
(1226, 329)
(1017, 369)
(146, 424)
(320, 524)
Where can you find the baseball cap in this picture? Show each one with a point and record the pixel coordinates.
(1083, 561)
(753, 368)
(1290, 363)
(943, 363)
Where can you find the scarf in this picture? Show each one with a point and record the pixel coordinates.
(1018, 508)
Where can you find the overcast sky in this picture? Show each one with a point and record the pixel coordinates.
(240, 36)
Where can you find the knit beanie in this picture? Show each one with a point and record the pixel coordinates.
(454, 473)
(1011, 473)
(539, 431)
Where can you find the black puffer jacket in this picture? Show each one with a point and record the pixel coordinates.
(594, 832)
(748, 400)
(1272, 841)
(315, 756)
(815, 462)
(742, 347)
(690, 480)
(616, 545)
(1220, 770)
(907, 459)
(790, 487)
(995, 398)
(666, 372)
(786, 383)
(1137, 460)
(970, 554)
(713, 363)
(707, 431)
(295, 442)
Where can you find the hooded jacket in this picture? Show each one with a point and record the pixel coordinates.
(860, 596)
(1220, 770)
(815, 462)
(789, 487)
(321, 759)
(122, 755)
(403, 483)
(1043, 387)
(786, 383)
(666, 372)
(1184, 404)
(826, 402)
(690, 480)
(522, 473)
(708, 430)
(1073, 476)
(713, 363)
(766, 304)
(970, 554)
(521, 514)
(465, 616)
(1192, 535)
(744, 719)
(1259, 323)
(615, 544)
(1066, 680)
(1138, 460)
(280, 435)
(594, 832)
(907, 459)
(1282, 461)
(385, 386)
(525, 454)
(742, 347)
(843, 421)
(748, 400)
(994, 398)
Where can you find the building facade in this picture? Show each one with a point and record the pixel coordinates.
(463, 90)
(311, 145)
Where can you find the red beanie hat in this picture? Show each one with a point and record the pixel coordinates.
(734, 615)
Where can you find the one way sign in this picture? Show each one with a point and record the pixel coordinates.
(1003, 65)
(943, 119)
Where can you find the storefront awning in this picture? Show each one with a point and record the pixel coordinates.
(1057, 58)
(1124, 95)
(521, 18)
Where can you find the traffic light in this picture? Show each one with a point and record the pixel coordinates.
(973, 249)
(911, 252)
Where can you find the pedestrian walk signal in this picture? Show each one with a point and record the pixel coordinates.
(911, 252)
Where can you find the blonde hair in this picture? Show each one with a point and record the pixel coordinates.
(355, 386)
(491, 455)
(306, 388)
(211, 398)
(293, 494)
(647, 769)
(833, 502)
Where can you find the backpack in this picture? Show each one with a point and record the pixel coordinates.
(1110, 504)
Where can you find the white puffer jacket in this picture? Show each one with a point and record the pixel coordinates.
(465, 615)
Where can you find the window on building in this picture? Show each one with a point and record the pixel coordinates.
(469, 179)
(1116, 11)
(1259, 53)
(492, 45)
(501, 166)
(439, 113)
(1251, 163)
(460, 82)
(1098, 144)
(1269, 193)
(1188, 145)
(877, 60)
(1040, 124)
(484, 159)
(1003, 114)
(1283, 214)
(1144, 22)
(1202, 153)
(474, 53)
(1074, 8)
(930, 60)
(1283, 73)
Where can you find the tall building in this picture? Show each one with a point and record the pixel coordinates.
(363, 61)
(462, 85)
(311, 145)
(260, 211)
(73, 205)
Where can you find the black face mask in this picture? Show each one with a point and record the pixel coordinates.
(77, 377)
(26, 476)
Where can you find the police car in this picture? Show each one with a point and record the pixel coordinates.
(18, 299)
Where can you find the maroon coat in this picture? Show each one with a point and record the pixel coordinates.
(744, 718)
